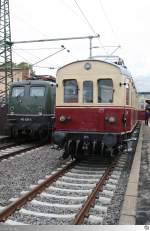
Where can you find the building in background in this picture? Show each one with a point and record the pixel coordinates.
(143, 98)
(18, 75)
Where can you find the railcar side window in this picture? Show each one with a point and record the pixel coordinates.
(17, 91)
(127, 95)
(105, 91)
(37, 91)
(87, 92)
(70, 91)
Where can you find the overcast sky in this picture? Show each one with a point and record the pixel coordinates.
(122, 23)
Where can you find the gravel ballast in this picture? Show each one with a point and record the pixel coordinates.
(26, 170)
(19, 173)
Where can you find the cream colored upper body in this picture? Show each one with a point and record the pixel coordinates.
(98, 70)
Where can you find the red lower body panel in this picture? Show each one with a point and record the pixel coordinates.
(141, 115)
(95, 119)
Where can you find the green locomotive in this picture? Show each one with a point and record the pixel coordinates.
(31, 108)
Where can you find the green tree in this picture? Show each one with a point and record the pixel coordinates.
(3, 65)
(24, 65)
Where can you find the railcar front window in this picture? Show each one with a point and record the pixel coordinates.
(70, 91)
(88, 92)
(37, 91)
(17, 91)
(105, 91)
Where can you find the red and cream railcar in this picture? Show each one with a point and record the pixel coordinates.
(96, 105)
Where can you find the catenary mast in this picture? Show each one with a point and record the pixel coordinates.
(6, 76)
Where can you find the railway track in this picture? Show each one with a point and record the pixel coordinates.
(77, 193)
(6, 145)
(4, 138)
(8, 150)
(6, 141)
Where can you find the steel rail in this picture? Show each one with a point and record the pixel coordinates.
(83, 212)
(16, 205)
(6, 145)
(5, 138)
(11, 154)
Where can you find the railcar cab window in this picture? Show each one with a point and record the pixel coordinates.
(17, 91)
(87, 92)
(105, 91)
(70, 91)
(37, 91)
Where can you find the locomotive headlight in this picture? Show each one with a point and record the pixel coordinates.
(40, 110)
(111, 119)
(11, 110)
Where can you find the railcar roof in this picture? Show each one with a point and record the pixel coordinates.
(123, 69)
(32, 82)
(144, 92)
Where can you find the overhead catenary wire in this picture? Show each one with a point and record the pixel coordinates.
(112, 29)
(15, 74)
(89, 24)
(51, 68)
(34, 64)
(22, 57)
(22, 20)
(86, 19)
(27, 51)
(43, 59)
(69, 7)
(110, 25)
(49, 56)
(90, 37)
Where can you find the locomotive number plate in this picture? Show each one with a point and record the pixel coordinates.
(26, 119)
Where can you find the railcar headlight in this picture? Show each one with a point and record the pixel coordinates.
(111, 119)
(62, 118)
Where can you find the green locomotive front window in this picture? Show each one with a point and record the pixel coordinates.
(17, 91)
(37, 91)
(105, 91)
(70, 91)
(88, 92)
